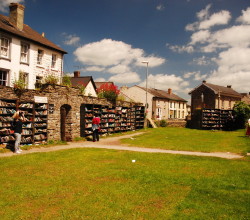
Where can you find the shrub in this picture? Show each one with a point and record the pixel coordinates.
(163, 123)
(108, 91)
(51, 79)
(241, 113)
(66, 81)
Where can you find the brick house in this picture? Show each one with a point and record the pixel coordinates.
(161, 104)
(25, 51)
(212, 96)
(86, 81)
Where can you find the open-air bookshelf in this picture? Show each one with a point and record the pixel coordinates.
(215, 119)
(34, 126)
(113, 119)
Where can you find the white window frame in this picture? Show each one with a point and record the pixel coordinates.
(24, 55)
(4, 81)
(53, 61)
(40, 54)
(5, 48)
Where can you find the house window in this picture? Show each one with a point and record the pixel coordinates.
(5, 47)
(53, 63)
(38, 84)
(24, 53)
(39, 57)
(3, 78)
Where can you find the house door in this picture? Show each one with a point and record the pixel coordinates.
(66, 123)
(158, 113)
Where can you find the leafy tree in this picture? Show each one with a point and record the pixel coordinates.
(108, 91)
(241, 113)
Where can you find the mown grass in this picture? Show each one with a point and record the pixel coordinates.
(192, 140)
(105, 184)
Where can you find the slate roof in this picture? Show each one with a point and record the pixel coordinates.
(83, 80)
(163, 94)
(27, 34)
(222, 89)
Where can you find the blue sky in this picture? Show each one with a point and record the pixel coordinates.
(184, 41)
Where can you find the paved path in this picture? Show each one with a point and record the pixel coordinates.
(114, 143)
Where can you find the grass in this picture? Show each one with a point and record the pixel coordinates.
(105, 184)
(192, 140)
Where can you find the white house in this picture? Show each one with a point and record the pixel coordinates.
(161, 104)
(86, 81)
(25, 51)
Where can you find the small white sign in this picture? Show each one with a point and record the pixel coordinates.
(40, 99)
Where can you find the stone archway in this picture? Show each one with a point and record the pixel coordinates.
(66, 123)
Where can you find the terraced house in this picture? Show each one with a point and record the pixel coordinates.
(26, 53)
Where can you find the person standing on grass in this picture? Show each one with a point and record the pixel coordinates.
(18, 127)
(95, 127)
(248, 128)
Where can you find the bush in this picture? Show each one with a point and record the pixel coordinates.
(66, 81)
(241, 114)
(163, 123)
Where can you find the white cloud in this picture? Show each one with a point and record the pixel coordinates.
(93, 69)
(245, 17)
(201, 61)
(71, 39)
(164, 81)
(131, 77)
(195, 76)
(220, 18)
(181, 49)
(101, 79)
(204, 13)
(233, 69)
(160, 7)
(115, 57)
(4, 4)
(200, 36)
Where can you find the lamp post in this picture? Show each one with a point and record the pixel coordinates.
(146, 86)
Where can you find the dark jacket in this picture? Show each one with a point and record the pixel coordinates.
(18, 125)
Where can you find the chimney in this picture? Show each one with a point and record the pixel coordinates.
(229, 86)
(43, 34)
(169, 91)
(17, 15)
(77, 74)
(204, 81)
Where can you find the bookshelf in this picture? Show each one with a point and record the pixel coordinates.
(34, 125)
(214, 118)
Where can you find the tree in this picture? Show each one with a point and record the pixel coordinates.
(108, 91)
(241, 113)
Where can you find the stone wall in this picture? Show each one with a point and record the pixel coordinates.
(62, 98)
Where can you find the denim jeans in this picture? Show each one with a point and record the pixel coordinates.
(17, 142)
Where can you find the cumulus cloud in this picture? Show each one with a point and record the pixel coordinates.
(4, 4)
(71, 39)
(93, 69)
(200, 36)
(115, 57)
(245, 17)
(131, 77)
(165, 81)
(196, 75)
(201, 61)
(101, 79)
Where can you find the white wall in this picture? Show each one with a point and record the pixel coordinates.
(90, 90)
(14, 66)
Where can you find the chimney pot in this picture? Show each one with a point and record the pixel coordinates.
(229, 86)
(77, 74)
(204, 81)
(169, 91)
(17, 15)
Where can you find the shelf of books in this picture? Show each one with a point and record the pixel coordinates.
(139, 117)
(214, 118)
(7, 109)
(34, 124)
(113, 119)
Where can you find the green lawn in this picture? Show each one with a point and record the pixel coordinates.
(105, 184)
(193, 140)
